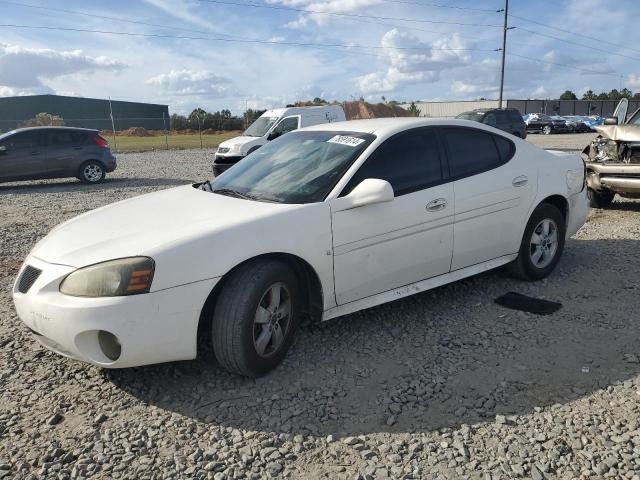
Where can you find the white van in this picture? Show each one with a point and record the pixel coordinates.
(271, 124)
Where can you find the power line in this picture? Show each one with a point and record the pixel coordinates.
(576, 43)
(565, 65)
(240, 40)
(106, 17)
(439, 5)
(574, 33)
(345, 14)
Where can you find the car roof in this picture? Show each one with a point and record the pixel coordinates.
(53, 127)
(389, 126)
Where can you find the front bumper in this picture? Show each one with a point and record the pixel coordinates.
(617, 177)
(150, 328)
(222, 163)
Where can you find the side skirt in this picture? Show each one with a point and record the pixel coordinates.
(417, 287)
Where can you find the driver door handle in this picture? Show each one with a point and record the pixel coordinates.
(436, 205)
(520, 181)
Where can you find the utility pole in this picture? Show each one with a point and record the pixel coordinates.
(504, 48)
(113, 127)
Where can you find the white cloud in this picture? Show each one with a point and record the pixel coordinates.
(633, 81)
(23, 70)
(413, 65)
(334, 6)
(190, 82)
(464, 88)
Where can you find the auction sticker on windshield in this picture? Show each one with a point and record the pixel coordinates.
(346, 140)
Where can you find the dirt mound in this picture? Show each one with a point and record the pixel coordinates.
(135, 132)
(358, 110)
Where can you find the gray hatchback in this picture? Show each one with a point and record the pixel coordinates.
(55, 152)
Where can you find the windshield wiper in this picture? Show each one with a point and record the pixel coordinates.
(233, 193)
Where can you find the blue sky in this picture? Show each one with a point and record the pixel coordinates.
(438, 55)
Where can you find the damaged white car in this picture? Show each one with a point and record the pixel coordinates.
(321, 222)
(613, 158)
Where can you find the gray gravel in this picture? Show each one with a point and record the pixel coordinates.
(562, 141)
(441, 385)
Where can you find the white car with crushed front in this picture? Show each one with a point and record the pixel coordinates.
(321, 222)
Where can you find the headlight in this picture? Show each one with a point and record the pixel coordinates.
(115, 278)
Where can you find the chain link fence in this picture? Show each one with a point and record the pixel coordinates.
(130, 134)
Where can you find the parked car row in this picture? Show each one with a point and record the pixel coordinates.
(546, 124)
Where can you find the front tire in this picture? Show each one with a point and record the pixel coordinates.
(601, 199)
(546, 130)
(255, 317)
(91, 172)
(542, 244)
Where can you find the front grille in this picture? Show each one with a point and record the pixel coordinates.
(28, 278)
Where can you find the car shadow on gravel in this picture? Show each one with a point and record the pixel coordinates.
(628, 205)
(442, 358)
(72, 185)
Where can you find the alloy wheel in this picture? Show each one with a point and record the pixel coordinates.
(272, 320)
(92, 172)
(544, 243)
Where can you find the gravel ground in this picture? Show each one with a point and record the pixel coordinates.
(441, 385)
(562, 141)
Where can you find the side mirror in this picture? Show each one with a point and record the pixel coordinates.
(273, 135)
(611, 121)
(368, 192)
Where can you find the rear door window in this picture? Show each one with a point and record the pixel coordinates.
(59, 138)
(490, 119)
(409, 161)
(471, 151)
(78, 138)
(503, 117)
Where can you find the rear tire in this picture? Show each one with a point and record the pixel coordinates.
(542, 244)
(91, 172)
(255, 317)
(601, 199)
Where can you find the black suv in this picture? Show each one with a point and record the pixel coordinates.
(55, 152)
(507, 119)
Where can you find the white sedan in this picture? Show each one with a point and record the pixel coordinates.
(322, 222)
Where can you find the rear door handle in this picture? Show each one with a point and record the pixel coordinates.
(35, 152)
(436, 205)
(520, 181)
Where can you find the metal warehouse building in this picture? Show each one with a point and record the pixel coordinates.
(83, 112)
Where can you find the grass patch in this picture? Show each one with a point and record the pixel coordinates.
(176, 142)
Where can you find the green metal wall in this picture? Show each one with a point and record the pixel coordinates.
(83, 112)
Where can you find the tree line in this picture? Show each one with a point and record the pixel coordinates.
(222, 120)
(614, 94)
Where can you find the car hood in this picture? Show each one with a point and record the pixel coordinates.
(242, 140)
(624, 133)
(146, 224)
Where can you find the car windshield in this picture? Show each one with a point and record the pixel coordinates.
(635, 119)
(475, 116)
(260, 126)
(299, 167)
